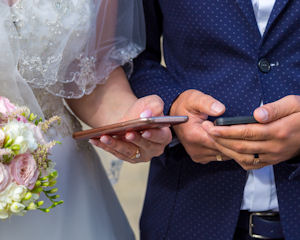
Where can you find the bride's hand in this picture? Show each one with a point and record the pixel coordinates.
(137, 147)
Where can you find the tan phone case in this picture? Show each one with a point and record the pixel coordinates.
(132, 125)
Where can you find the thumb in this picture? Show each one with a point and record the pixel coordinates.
(145, 107)
(206, 104)
(152, 103)
(279, 109)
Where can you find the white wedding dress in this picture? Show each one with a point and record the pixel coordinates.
(55, 49)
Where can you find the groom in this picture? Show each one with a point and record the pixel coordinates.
(224, 58)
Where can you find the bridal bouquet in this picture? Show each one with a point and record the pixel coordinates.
(26, 172)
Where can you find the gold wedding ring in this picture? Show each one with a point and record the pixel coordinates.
(256, 159)
(136, 155)
(219, 157)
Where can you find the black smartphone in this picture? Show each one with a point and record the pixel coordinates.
(227, 121)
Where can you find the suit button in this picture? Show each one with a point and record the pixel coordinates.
(264, 65)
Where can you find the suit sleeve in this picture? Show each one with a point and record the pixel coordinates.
(149, 76)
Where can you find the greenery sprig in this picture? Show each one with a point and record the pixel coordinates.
(44, 185)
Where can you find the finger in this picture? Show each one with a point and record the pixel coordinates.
(206, 104)
(214, 158)
(271, 159)
(249, 167)
(154, 103)
(124, 148)
(121, 156)
(207, 159)
(242, 146)
(145, 107)
(97, 143)
(202, 138)
(242, 159)
(161, 136)
(137, 140)
(200, 152)
(254, 132)
(151, 149)
(204, 152)
(279, 109)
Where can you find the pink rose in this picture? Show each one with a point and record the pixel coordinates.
(6, 106)
(24, 170)
(4, 177)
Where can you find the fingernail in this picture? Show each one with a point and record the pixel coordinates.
(217, 107)
(146, 113)
(106, 140)
(262, 114)
(146, 134)
(129, 136)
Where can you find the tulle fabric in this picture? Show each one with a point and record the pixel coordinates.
(65, 47)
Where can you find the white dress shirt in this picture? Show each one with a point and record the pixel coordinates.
(260, 190)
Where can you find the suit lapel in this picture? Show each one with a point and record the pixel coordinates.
(277, 9)
(247, 10)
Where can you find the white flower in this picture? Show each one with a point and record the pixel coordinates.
(18, 193)
(3, 211)
(2, 206)
(22, 134)
(4, 196)
(2, 137)
(16, 207)
(13, 193)
(3, 214)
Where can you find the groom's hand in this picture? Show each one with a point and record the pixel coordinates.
(275, 139)
(196, 141)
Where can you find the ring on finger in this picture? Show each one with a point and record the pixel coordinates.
(256, 159)
(136, 155)
(219, 157)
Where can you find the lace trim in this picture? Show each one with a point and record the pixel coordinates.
(52, 52)
(87, 66)
(33, 69)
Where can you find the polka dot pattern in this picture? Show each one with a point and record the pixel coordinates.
(214, 46)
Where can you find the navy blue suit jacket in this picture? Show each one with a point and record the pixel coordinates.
(215, 46)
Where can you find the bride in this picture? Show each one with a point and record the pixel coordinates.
(63, 49)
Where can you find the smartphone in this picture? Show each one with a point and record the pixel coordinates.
(227, 121)
(121, 128)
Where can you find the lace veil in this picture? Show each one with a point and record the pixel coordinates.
(65, 47)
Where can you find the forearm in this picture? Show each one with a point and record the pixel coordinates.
(107, 103)
(149, 77)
